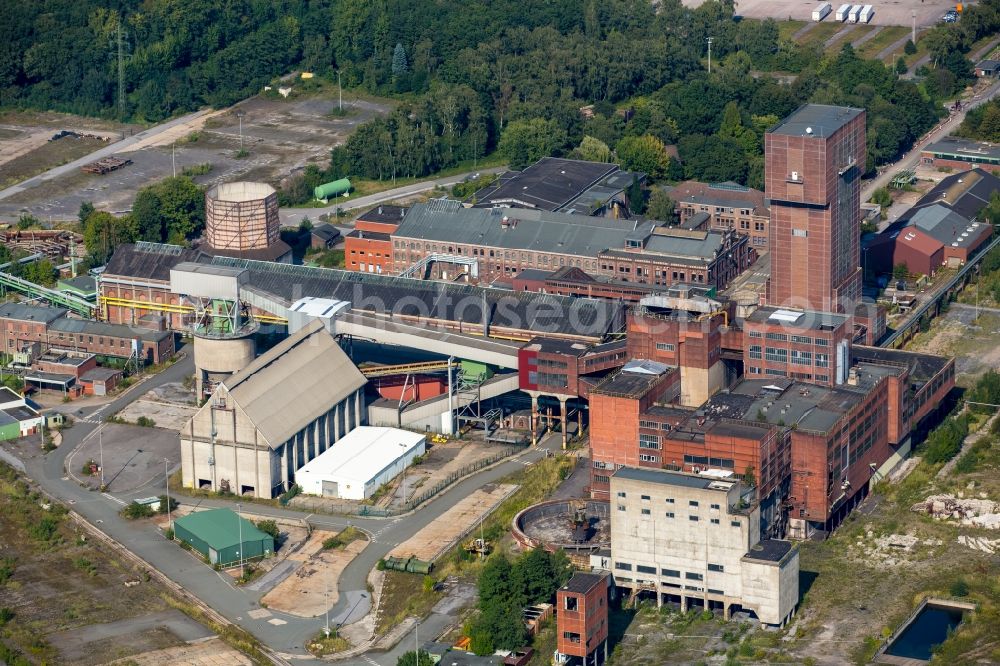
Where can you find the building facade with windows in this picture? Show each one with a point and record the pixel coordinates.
(694, 539)
(582, 620)
(729, 206)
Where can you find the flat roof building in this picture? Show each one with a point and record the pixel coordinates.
(359, 463)
(582, 619)
(694, 539)
(958, 153)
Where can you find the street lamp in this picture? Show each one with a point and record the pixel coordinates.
(240, 114)
(166, 478)
(100, 443)
(239, 522)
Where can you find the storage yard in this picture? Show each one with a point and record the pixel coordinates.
(451, 526)
(888, 13)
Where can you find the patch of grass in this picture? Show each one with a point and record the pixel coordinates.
(403, 595)
(818, 35)
(343, 538)
(324, 645)
(882, 40)
(788, 28)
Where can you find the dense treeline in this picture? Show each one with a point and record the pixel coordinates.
(480, 74)
(982, 123)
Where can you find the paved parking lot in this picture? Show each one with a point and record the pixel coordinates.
(890, 12)
(133, 457)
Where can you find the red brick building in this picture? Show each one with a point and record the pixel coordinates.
(730, 207)
(813, 165)
(582, 620)
(572, 281)
(615, 408)
(368, 248)
(801, 345)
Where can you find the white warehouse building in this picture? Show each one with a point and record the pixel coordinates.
(285, 408)
(361, 462)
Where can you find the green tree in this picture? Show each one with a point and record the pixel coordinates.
(900, 272)
(399, 65)
(268, 527)
(412, 658)
(134, 510)
(27, 221)
(169, 504)
(909, 48)
(524, 142)
(86, 208)
(645, 153)
(103, 232)
(901, 66)
(661, 206)
(147, 211)
(593, 150)
(882, 197)
(636, 197)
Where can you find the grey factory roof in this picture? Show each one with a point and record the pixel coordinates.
(83, 283)
(7, 419)
(273, 252)
(23, 312)
(628, 383)
(769, 550)
(581, 582)
(726, 195)
(544, 313)
(549, 184)
(683, 243)
(99, 374)
(387, 213)
(966, 193)
(149, 261)
(325, 232)
(602, 191)
(91, 327)
(21, 412)
(666, 477)
(309, 360)
(799, 319)
(922, 367)
(821, 120)
(445, 221)
(948, 227)
(809, 406)
(957, 146)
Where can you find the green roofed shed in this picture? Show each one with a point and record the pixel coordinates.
(216, 535)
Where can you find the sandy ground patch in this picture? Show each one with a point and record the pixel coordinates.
(304, 592)
(208, 653)
(430, 542)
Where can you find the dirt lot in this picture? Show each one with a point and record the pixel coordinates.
(279, 135)
(206, 653)
(957, 333)
(43, 155)
(442, 532)
(64, 595)
(166, 415)
(304, 592)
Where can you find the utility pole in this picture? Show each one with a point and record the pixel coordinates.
(340, 92)
(173, 159)
(709, 40)
(913, 33)
(121, 72)
(240, 114)
(239, 522)
(100, 443)
(327, 630)
(166, 477)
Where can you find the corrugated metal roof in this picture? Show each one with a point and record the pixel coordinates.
(548, 184)
(91, 327)
(362, 453)
(293, 383)
(515, 229)
(22, 312)
(220, 528)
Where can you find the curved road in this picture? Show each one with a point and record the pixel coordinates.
(284, 633)
(290, 217)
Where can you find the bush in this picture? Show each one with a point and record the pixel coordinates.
(45, 529)
(145, 422)
(268, 527)
(135, 511)
(169, 534)
(166, 502)
(6, 615)
(292, 492)
(380, 565)
(946, 440)
(959, 588)
(6, 569)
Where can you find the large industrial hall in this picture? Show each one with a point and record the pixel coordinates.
(268, 420)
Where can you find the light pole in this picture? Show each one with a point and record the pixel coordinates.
(709, 40)
(239, 522)
(340, 92)
(166, 478)
(100, 443)
(240, 114)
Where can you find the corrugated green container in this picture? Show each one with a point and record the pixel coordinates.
(216, 535)
(10, 428)
(333, 189)
(475, 371)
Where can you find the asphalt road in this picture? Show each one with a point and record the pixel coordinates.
(106, 151)
(291, 217)
(284, 633)
(910, 159)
